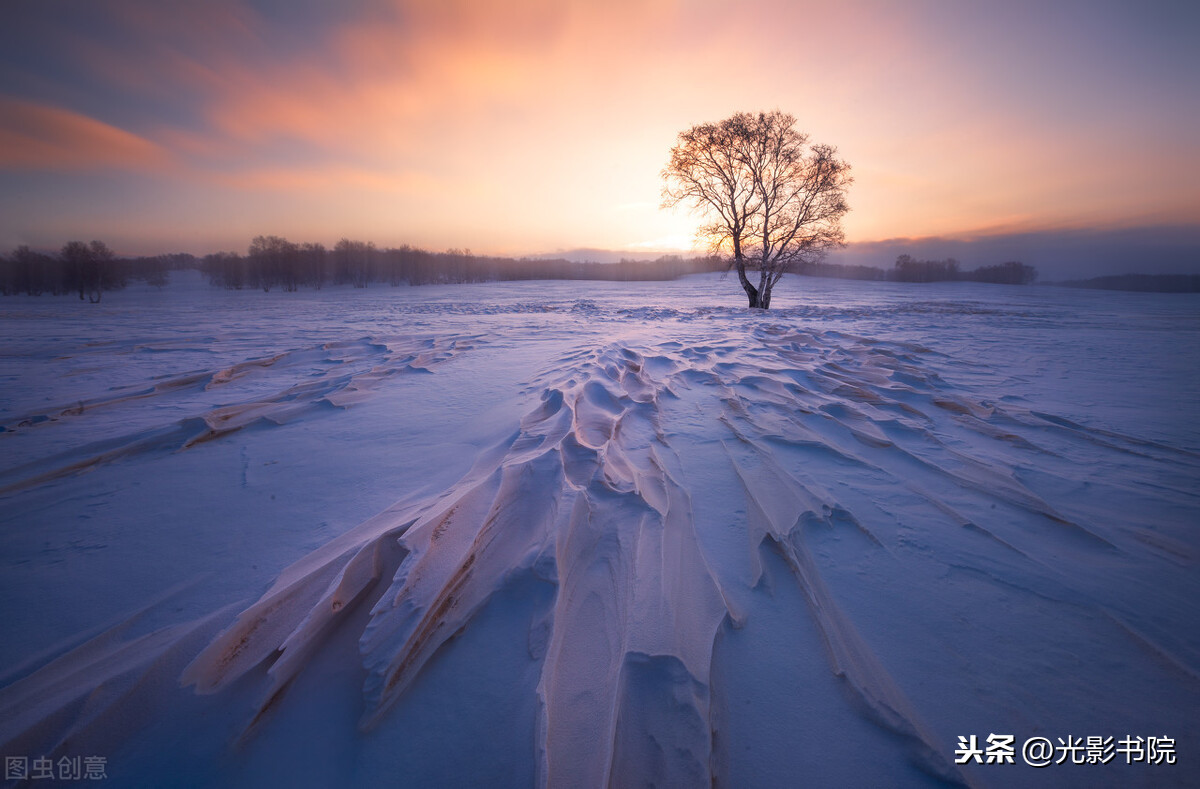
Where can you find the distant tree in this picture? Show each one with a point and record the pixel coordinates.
(313, 265)
(273, 261)
(771, 200)
(1010, 273)
(110, 271)
(276, 261)
(180, 260)
(34, 273)
(457, 266)
(226, 269)
(91, 269)
(353, 262)
(76, 259)
(909, 269)
(154, 270)
(151, 270)
(394, 265)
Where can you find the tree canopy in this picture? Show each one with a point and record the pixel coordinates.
(768, 198)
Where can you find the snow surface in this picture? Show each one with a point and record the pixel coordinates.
(586, 534)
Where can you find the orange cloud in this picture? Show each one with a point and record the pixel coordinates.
(39, 137)
(386, 86)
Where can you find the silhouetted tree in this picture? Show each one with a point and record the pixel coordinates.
(77, 259)
(151, 270)
(34, 273)
(226, 269)
(91, 269)
(771, 199)
(353, 262)
(155, 271)
(272, 260)
(313, 265)
(1010, 273)
(909, 269)
(276, 261)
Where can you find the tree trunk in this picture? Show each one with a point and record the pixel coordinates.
(765, 285)
(751, 291)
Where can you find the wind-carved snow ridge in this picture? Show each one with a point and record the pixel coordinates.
(591, 493)
(697, 545)
(587, 495)
(272, 390)
(667, 489)
(91, 694)
(584, 494)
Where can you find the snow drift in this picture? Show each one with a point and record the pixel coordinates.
(777, 552)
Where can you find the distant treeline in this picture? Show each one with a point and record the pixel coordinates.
(1145, 283)
(273, 261)
(909, 269)
(86, 269)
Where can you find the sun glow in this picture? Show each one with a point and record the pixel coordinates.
(456, 124)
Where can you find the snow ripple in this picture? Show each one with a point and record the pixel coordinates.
(850, 455)
(271, 390)
(590, 494)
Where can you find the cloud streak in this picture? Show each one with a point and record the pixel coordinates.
(39, 137)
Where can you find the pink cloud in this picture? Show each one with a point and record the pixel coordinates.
(40, 137)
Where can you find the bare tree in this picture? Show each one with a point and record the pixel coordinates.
(35, 273)
(354, 261)
(314, 268)
(90, 268)
(770, 200)
(273, 258)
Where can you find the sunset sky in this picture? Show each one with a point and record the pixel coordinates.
(528, 127)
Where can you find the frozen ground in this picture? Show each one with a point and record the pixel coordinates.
(585, 534)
